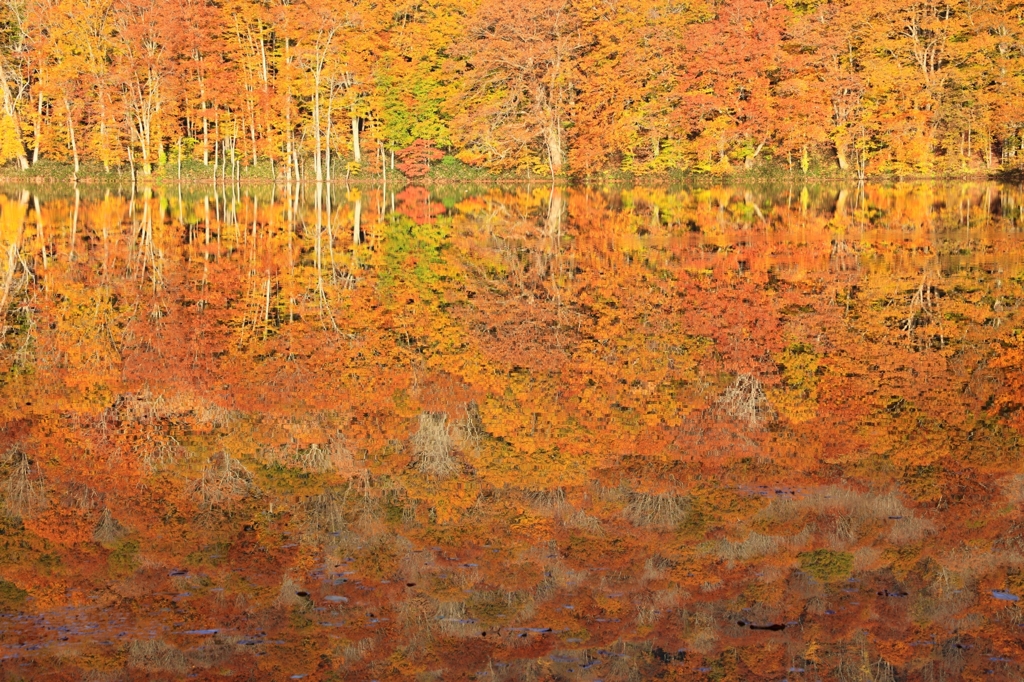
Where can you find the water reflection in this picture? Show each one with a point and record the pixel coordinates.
(513, 433)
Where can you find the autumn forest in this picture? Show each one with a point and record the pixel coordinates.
(348, 88)
(512, 340)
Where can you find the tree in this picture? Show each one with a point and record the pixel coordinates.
(416, 158)
(517, 92)
(13, 66)
(627, 70)
(542, 86)
(726, 88)
(144, 71)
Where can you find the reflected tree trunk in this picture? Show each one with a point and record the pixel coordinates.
(357, 220)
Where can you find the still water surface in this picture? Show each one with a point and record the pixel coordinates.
(722, 433)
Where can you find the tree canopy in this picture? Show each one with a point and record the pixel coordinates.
(540, 86)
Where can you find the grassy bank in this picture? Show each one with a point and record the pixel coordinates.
(448, 171)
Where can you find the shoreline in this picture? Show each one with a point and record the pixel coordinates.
(63, 176)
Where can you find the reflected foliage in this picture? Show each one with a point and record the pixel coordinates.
(721, 433)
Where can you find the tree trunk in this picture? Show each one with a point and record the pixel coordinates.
(357, 220)
(327, 141)
(327, 148)
(844, 162)
(145, 140)
(357, 155)
(748, 162)
(38, 131)
(555, 153)
(103, 133)
(40, 230)
(556, 207)
(71, 137)
(318, 164)
(841, 202)
(289, 143)
(206, 138)
(252, 130)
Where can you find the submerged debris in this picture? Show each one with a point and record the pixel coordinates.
(745, 400)
(223, 478)
(433, 447)
(662, 509)
(1005, 596)
(22, 487)
(108, 530)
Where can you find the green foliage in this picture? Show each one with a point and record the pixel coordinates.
(826, 565)
(411, 252)
(393, 513)
(452, 169)
(411, 107)
(49, 562)
(124, 559)
(211, 555)
(279, 478)
(491, 606)
(11, 596)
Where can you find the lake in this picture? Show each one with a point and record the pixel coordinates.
(512, 432)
